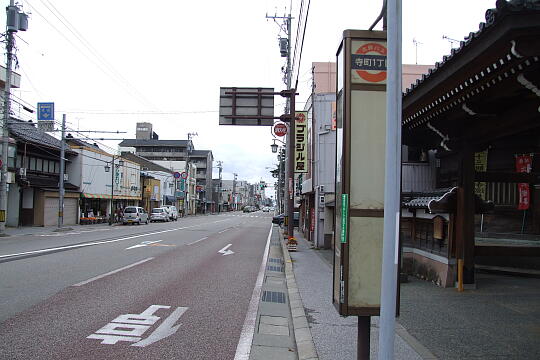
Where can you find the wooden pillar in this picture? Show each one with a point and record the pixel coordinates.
(465, 214)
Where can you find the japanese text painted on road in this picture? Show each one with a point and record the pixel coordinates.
(131, 327)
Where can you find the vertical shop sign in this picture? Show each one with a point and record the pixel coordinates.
(344, 217)
(524, 165)
(301, 134)
(334, 116)
(480, 165)
(312, 224)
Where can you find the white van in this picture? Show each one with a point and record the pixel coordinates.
(173, 212)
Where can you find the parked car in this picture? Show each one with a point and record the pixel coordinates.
(266, 209)
(280, 219)
(159, 214)
(134, 214)
(247, 209)
(173, 212)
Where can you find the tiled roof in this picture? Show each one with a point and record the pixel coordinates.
(153, 142)
(503, 8)
(144, 163)
(27, 132)
(200, 153)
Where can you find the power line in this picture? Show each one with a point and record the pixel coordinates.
(94, 51)
(103, 65)
(302, 45)
(99, 112)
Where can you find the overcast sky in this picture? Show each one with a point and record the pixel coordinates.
(110, 64)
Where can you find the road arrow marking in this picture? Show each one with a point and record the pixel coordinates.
(224, 251)
(144, 243)
(164, 330)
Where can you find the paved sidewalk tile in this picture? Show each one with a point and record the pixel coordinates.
(334, 336)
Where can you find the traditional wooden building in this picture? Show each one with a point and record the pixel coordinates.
(476, 115)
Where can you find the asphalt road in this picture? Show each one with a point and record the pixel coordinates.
(176, 290)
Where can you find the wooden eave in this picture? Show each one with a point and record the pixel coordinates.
(475, 93)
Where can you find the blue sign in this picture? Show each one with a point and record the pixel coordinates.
(176, 175)
(45, 111)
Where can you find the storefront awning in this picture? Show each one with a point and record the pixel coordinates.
(103, 196)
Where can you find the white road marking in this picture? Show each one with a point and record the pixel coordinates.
(112, 272)
(224, 251)
(144, 243)
(101, 242)
(222, 231)
(165, 329)
(196, 241)
(243, 348)
(130, 327)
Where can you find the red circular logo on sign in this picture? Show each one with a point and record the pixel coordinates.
(301, 117)
(280, 129)
(367, 49)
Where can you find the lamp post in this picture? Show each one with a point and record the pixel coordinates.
(281, 157)
(111, 168)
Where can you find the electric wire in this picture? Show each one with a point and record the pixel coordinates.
(104, 66)
(94, 51)
(302, 45)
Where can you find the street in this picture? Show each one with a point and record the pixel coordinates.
(161, 291)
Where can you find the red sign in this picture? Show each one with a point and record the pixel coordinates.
(370, 62)
(183, 175)
(280, 129)
(312, 225)
(524, 165)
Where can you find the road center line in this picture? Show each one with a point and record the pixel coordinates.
(98, 242)
(243, 349)
(112, 272)
(196, 241)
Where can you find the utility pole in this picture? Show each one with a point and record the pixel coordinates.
(189, 149)
(234, 191)
(15, 21)
(289, 108)
(61, 179)
(220, 167)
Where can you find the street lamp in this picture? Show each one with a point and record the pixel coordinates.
(275, 146)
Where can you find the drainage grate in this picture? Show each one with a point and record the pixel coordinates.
(275, 268)
(275, 260)
(273, 296)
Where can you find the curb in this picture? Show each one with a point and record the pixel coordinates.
(302, 334)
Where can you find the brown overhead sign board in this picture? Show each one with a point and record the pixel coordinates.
(246, 106)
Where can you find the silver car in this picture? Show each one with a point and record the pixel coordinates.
(134, 215)
(159, 214)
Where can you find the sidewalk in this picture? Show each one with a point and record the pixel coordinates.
(301, 322)
(498, 320)
(335, 336)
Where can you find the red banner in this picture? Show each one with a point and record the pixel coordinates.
(312, 223)
(524, 165)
